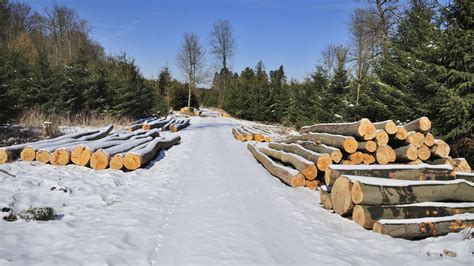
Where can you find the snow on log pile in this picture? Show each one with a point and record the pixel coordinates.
(247, 133)
(395, 180)
(98, 149)
(163, 124)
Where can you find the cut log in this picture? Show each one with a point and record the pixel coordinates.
(167, 125)
(368, 159)
(446, 160)
(377, 191)
(424, 153)
(429, 140)
(356, 157)
(248, 136)
(347, 162)
(116, 162)
(392, 171)
(366, 215)
(341, 196)
(237, 135)
(385, 155)
(182, 124)
(389, 126)
(101, 158)
(381, 138)
(406, 153)
(257, 136)
(440, 149)
(466, 176)
(322, 161)
(424, 227)
(421, 124)
(348, 144)
(287, 175)
(363, 129)
(311, 184)
(325, 198)
(267, 135)
(367, 146)
(138, 158)
(461, 165)
(417, 139)
(304, 166)
(334, 153)
(155, 124)
(401, 134)
(415, 162)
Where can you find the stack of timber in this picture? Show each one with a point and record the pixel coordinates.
(98, 149)
(247, 133)
(164, 124)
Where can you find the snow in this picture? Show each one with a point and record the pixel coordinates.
(390, 166)
(204, 201)
(379, 181)
(464, 216)
(439, 204)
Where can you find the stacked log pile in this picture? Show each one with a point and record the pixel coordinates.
(247, 133)
(395, 180)
(163, 124)
(98, 149)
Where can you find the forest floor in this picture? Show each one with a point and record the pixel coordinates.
(204, 201)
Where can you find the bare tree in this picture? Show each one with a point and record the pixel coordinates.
(223, 45)
(191, 61)
(329, 59)
(385, 10)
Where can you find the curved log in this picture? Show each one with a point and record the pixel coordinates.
(388, 125)
(287, 175)
(334, 153)
(421, 124)
(306, 167)
(138, 158)
(466, 176)
(322, 161)
(363, 129)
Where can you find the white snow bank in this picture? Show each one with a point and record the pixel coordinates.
(390, 166)
(379, 181)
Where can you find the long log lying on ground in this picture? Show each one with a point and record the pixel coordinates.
(379, 191)
(116, 162)
(363, 129)
(385, 154)
(389, 126)
(406, 153)
(178, 126)
(267, 135)
(248, 136)
(415, 162)
(138, 158)
(421, 124)
(392, 171)
(321, 160)
(424, 227)
(367, 146)
(257, 136)
(325, 197)
(101, 158)
(334, 153)
(167, 125)
(341, 196)
(461, 165)
(304, 166)
(287, 175)
(237, 135)
(366, 215)
(440, 149)
(155, 124)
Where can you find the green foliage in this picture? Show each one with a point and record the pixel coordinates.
(180, 96)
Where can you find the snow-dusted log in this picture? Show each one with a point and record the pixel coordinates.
(421, 124)
(334, 153)
(248, 136)
(321, 160)
(461, 165)
(257, 136)
(311, 184)
(167, 125)
(379, 191)
(155, 124)
(424, 227)
(101, 158)
(341, 196)
(116, 162)
(367, 146)
(138, 158)
(429, 140)
(237, 135)
(392, 171)
(385, 154)
(440, 149)
(466, 176)
(325, 198)
(287, 175)
(368, 159)
(424, 153)
(267, 135)
(381, 138)
(178, 126)
(388, 125)
(304, 166)
(366, 215)
(406, 153)
(363, 129)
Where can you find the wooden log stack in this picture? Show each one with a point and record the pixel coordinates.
(173, 124)
(247, 133)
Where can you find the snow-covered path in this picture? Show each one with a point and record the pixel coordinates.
(206, 201)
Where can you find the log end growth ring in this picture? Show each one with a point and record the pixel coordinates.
(132, 161)
(43, 156)
(28, 154)
(4, 156)
(99, 160)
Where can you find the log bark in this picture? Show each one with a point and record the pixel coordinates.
(366, 215)
(466, 176)
(138, 158)
(415, 162)
(385, 155)
(366, 193)
(423, 228)
(389, 126)
(334, 153)
(363, 129)
(381, 138)
(368, 159)
(237, 135)
(311, 184)
(167, 125)
(429, 140)
(155, 124)
(341, 196)
(398, 172)
(287, 175)
(183, 124)
(406, 153)
(440, 149)
(325, 199)
(446, 160)
(322, 161)
(421, 124)
(348, 144)
(461, 165)
(367, 146)
(304, 166)
(424, 153)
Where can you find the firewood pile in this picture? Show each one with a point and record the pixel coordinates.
(246, 133)
(98, 149)
(395, 180)
(162, 124)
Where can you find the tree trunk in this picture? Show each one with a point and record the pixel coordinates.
(363, 129)
(334, 153)
(398, 172)
(367, 146)
(385, 155)
(138, 158)
(248, 136)
(461, 165)
(366, 215)
(426, 227)
(167, 125)
(306, 167)
(424, 153)
(389, 126)
(366, 193)
(440, 149)
(325, 198)
(322, 161)
(381, 138)
(348, 144)
(287, 175)
(116, 162)
(421, 124)
(341, 196)
(237, 135)
(155, 124)
(406, 153)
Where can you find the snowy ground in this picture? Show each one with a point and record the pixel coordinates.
(205, 201)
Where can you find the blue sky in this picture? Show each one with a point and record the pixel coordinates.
(278, 32)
